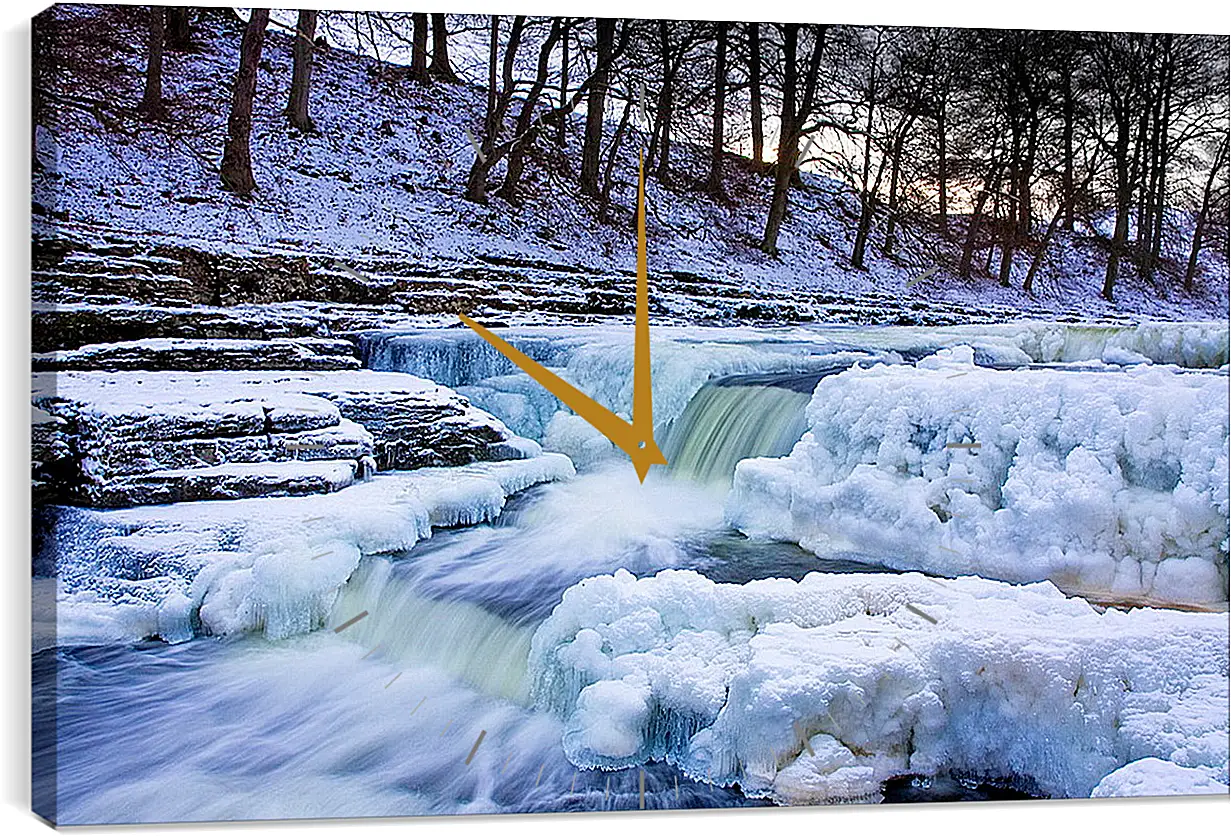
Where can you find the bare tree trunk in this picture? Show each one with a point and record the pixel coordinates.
(1160, 193)
(1063, 210)
(236, 171)
(666, 105)
(604, 204)
(178, 33)
(976, 218)
(526, 130)
(591, 150)
(788, 140)
(1067, 197)
(942, 168)
(891, 222)
(1199, 230)
(754, 84)
(1037, 261)
(418, 59)
(1025, 199)
(720, 107)
(301, 75)
(1124, 200)
(486, 158)
(562, 137)
(152, 107)
(867, 196)
(1008, 245)
(441, 68)
(493, 63)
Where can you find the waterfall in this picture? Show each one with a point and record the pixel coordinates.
(735, 418)
(461, 638)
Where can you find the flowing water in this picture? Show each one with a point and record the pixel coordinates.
(421, 706)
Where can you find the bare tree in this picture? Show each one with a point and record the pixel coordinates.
(1220, 160)
(754, 97)
(440, 67)
(179, 34)
(301, 74)
(236, 171)
(591, 149)
(152, 107)
(720, 107)
(526, 128)
(795, 109)
(418, 59)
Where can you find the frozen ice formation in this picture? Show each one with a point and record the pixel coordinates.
(271, 565)
(1011, 683)
(1154, 777)
(1110, 484)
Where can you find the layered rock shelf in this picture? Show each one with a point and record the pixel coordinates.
(127, 438)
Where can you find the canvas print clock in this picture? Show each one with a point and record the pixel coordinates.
(441, 413)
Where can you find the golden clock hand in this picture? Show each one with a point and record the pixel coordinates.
(636, 438)
(643, 393)
(621, 433)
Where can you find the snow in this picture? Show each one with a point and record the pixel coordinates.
(1017, 684)
(384, 177)
(169, 391)
(1112, 484)
(271, 565)
(1154, 777)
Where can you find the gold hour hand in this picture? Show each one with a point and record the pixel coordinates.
(621, 433)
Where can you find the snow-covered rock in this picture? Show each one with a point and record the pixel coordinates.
(205, 354)
(158, 437)
(879, 675)
(270, 564)
(1110, 484)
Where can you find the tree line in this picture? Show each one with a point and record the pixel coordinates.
(995, 139)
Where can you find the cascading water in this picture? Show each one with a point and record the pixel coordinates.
(378, 718)
(730, 421)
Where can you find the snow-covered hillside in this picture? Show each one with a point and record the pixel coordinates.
(380, 186)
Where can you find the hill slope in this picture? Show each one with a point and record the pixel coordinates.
(380, 187)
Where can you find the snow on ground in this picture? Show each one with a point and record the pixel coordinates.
(385, 175)
(1111, 484)
(271, 565)
(881, 676)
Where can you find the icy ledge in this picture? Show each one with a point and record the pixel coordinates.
(1113, 485)
(271, 565)
(1017, 684)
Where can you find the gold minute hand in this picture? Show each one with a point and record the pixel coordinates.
(643, 393)
(637, 438)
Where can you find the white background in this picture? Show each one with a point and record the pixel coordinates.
(1162, 817)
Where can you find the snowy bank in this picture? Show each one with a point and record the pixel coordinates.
(272, 565)
(820, 690)
(1110, 484)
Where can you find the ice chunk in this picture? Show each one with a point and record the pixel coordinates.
(1110, 484)
(1154, 777)
(881, 675)
(272, 565)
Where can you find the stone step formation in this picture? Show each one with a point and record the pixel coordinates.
(115, 439)
(121, 323)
